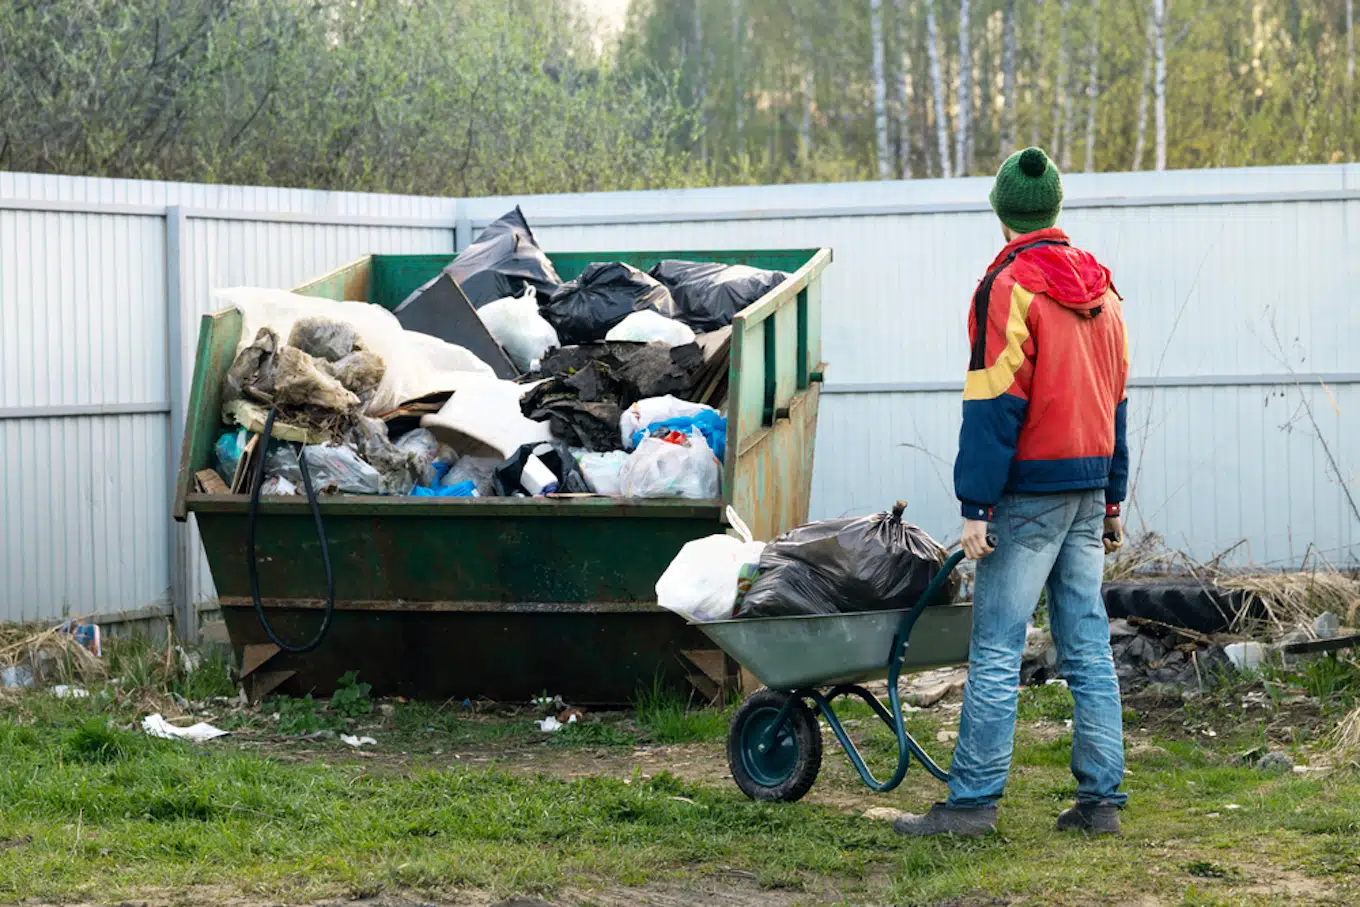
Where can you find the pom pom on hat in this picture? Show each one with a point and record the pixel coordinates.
(1027, 195)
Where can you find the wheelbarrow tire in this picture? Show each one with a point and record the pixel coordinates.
(785, 773)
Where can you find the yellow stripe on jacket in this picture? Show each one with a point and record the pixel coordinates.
(993, 381)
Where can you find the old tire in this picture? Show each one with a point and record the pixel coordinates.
(785, 772)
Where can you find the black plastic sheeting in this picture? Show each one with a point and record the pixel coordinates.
(585, 310)
(873, 563)
(441, 310)
(589, 386)
(707, 295)
(1182, 603)
(503, 260)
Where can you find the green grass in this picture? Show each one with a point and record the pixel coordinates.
(94, 810)
(666, 719)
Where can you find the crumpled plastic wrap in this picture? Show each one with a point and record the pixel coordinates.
(324, 338)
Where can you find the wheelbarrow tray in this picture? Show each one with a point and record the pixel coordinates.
(789, 653)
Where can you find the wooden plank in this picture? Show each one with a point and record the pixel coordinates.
(209, 482)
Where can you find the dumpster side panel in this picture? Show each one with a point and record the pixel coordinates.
(773, 405)
(587, 658)
(396, 277)
(219, 335)
(347, 283)
(480, 562)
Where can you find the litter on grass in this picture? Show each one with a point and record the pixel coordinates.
(156, 726)
(357, 742)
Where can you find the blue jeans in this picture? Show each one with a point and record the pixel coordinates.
(1053, 542)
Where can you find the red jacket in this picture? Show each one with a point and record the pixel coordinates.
(1043, 404)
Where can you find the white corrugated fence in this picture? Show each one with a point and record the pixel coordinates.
(1240, 289)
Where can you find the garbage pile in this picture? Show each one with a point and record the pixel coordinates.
(843, 566)
(496, 378)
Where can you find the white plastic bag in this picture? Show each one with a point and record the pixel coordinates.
(338, 466)
(648, 326)
(660, 469)
(602, 471)
(517, 326)
(652, 410)
(701, 583)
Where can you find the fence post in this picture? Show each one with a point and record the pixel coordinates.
(183, 613)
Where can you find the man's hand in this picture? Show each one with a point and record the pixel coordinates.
(974, 539)
(1114, 534)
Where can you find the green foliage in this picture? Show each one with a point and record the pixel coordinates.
(482, 97)
(350, 699)
(1051, 702)
(302, 716)
(429, 96)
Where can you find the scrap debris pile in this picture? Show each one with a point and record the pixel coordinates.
(496, 378)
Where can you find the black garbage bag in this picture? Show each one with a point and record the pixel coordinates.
(624, 372)
(502, 261)
(708, 295)
(585, 309)
(505, 481)
(874, 563)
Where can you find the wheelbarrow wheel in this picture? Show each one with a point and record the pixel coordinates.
(785, 771)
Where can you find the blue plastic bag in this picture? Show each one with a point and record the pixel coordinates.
(461, 490)
(228, 451)
(711, 425)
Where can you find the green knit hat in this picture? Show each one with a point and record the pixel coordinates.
(1028, 194)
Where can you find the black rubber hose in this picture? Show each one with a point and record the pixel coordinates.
(252, 568)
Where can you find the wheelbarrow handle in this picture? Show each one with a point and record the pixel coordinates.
(936, 584)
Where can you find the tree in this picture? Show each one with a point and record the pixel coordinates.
(1008, 122)
(1140, 144)
(965, 101)
(937, 89)
(1350, 41)
(1061, 95)
(1159, 79)
(1092, 88)
(902, 92)
(880, 91)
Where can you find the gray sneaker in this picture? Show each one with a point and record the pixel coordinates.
(1092, 818)
(948, 820)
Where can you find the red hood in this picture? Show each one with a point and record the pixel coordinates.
(1067, 275)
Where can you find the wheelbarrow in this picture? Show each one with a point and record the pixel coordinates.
(774, 746)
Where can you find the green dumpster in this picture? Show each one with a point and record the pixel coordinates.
(508, 598)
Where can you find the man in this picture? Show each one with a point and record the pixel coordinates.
(1042, 468)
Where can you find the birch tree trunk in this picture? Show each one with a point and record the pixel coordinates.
(937, 89)
(1093, 88)
(1061, 96)
(880, 91)
(738, 89)
(1008, 116)
(1159, 81)
(1140, 143)
(902, 92)
(965, 99)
